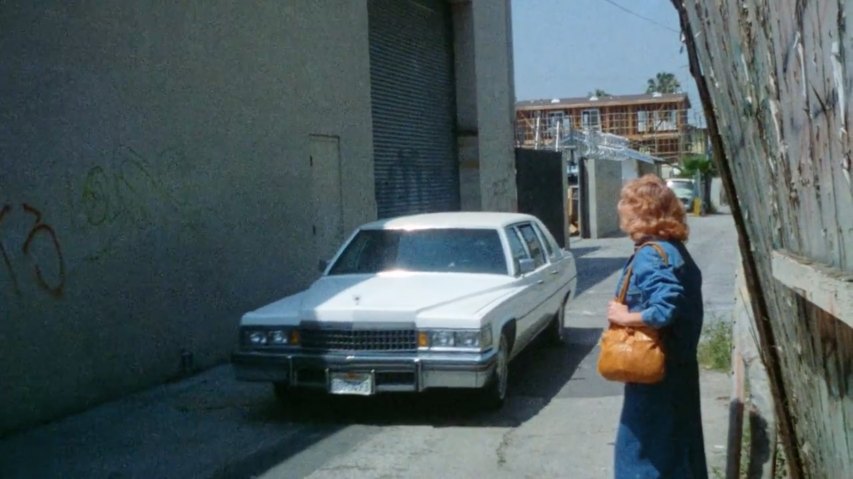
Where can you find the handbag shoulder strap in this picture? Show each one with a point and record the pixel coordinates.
(659, 249)
(626, 279)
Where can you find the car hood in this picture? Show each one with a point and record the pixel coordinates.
(386, 297)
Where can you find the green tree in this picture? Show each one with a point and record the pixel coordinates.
(663, 82)
(599, 93)
(693, 163)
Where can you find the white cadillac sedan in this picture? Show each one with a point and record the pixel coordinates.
(441, 300)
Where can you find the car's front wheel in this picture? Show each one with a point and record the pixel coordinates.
(556, 333)
(494, 393)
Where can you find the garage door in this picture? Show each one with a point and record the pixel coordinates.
(413, 106)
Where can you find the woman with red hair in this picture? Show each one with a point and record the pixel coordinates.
(660, 428)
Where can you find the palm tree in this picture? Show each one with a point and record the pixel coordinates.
(663, 82)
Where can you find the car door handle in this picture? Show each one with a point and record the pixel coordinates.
(554, 271)
(541, 281)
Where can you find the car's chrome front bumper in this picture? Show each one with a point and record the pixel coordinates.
(392, 371)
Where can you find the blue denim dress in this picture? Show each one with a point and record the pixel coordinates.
(660, 428)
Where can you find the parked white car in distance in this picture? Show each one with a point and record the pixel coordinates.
(684, 189)
(441, 300)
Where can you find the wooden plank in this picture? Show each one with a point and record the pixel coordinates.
(844, 340)
(775, 83)
(828, 288)
(735, 436)
(759, 402)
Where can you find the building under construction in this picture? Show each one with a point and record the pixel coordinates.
(653, 124)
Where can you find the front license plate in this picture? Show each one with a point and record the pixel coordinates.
(351, 383)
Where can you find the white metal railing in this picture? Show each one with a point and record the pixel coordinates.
(592, 144)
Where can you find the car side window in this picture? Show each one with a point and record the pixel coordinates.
(534, 245)
(516, 247)
(545, 240)
(548, 240)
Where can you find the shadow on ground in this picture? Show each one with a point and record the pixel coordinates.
(536, 376)
(580, 252)
(592, 271)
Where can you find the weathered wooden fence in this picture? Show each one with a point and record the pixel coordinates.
(776, 80)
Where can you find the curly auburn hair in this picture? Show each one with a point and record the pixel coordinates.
(647, 207)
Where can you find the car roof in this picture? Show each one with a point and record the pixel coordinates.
(473, 220)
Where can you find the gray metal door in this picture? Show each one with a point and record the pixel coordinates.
(327, 203)
(541, 191)
(413, 106)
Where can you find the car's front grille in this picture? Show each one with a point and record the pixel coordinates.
(344, 339)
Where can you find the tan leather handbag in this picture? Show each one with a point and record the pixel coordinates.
(632, 354)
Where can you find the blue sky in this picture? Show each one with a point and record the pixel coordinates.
(566, 48)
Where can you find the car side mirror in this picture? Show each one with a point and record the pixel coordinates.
(322, 265)
(526, 265)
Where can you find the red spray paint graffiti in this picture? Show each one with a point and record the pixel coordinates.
(39, 234)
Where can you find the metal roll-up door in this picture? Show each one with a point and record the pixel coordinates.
(413, 106)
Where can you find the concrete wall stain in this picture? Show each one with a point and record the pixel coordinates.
(501, 188)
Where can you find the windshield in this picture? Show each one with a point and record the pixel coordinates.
(433, 250)
(682, 192)
(680, 184)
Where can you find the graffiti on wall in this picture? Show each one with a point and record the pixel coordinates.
(120, 192)
(106, 208)
(125, 195)
(410, 179)
(37, 247)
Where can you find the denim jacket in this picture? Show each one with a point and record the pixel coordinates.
(668, 295)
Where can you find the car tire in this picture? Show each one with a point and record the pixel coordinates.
(556, 332)
(493, 394)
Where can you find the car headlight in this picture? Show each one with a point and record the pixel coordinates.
(278, 336)
(467, 339)
(478, 339)
(441, 339)
(254, 338)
